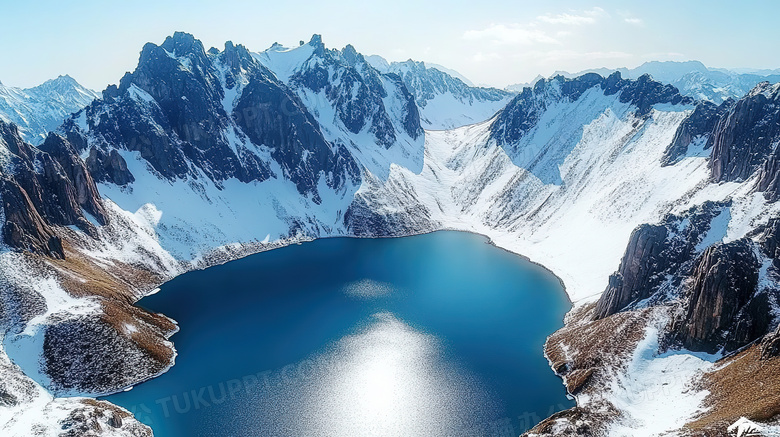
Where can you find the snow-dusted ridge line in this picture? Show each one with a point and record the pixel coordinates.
(41, 109)
(578, 181)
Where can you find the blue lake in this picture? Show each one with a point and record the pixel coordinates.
(432, 335)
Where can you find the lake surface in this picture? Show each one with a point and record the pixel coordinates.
(432, 335)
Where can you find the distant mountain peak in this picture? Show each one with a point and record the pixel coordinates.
(316, 41)
(236, 56)
(40, 109)
(184, 44)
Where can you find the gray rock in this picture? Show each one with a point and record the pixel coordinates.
(724, 282)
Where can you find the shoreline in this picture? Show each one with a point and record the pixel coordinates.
(289, 241)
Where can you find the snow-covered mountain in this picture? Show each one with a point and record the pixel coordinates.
(372, 114)
(694, 79)
(443, 100)
(446, 101)
(41, 109)
(654, 209)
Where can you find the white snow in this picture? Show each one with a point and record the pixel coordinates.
(445, 111)
(568, 195)
(578, 183)
(42, 109)
(747, 428)
(656, 392)
(718, 230)
(188, 218)
(284, 62)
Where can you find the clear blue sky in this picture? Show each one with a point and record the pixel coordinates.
(495, 42)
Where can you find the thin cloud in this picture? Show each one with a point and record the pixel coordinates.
(574, 18)
(634, 21)
(511, 34)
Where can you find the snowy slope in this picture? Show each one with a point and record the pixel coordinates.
(341, 152)
(42, 109)
(445, 99)
(694, 79)
(371, 113)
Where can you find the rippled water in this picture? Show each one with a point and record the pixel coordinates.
(434, 335)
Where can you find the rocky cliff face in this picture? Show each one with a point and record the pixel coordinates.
(724, 282)
(639, 273)
(87, 195)
(108, 167)
(192, 114)
(697, 128)
(657, 257)
(744, 139)
(41, 109)
(683, 262)
(444, 101)
(523, 112)
(43, 188)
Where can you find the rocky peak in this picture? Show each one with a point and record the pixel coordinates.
(184, 44)
(355, 89)
(12, 140)
(316, 42)
(697, 126)
(522, 113)
(44, 188)
(87, 194)
(61, 84)
(645, 92)
(744, 138)
(724, 283)
(236, 57)
(351, 56)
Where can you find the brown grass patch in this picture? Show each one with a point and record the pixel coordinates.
(584, 350)
(742, 385)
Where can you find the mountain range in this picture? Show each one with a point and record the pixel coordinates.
(656, 209)
(41, 109)
(694, 79)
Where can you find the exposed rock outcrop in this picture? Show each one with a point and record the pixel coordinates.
(87, 194)
(523, 112)
(744, 139)
(24, 228)
(108, 167)
(638, 275)
(722, 297)
(697, 127)
(41, 190)
(770, 345)
(658, 255)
